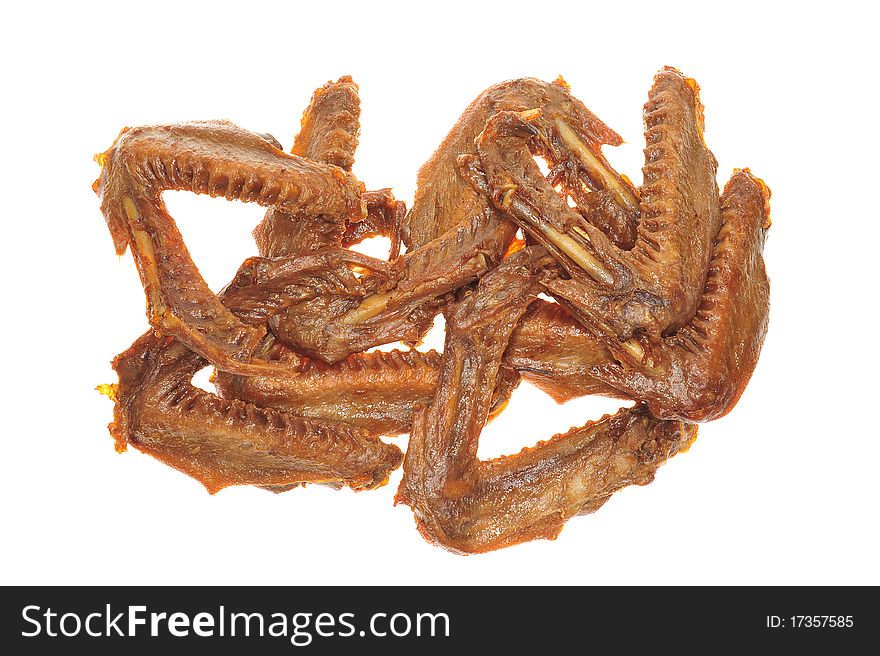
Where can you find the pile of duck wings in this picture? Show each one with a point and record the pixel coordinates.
(565, 275)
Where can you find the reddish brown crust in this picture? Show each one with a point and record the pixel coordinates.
(471, 506)
(678, 275)
(331, 124)
(328, 134)
(655, 288)
(375, 391)
(384, 217)
(421, 281)
(553, 352)
(218, 159)
(691, 291)
(222, 442)
(701, 371)
(443, 197)
(378, 391)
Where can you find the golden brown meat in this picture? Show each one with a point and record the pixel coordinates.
(444, 197)
(375, 391)
(684, 311)
(469, 506)
(655, 288)
(222, 442)
(378, 391)
(453, 231)
(553, 352)
(662, 299)
(328, 134)
(384, 217)
(699, 372)
(218, 159)
(402, 306)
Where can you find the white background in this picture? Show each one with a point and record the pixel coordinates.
(782, 490)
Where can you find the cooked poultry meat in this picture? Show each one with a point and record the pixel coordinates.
(661, 299)
(222, 442)
(378, 390)
(684, 310)
(469, 505)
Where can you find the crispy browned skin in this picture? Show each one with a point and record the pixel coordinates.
(378, 391)
(222, 442)
(329, 134)
(656, 287)
(265, 287)
(218, 159)
(663, 299)
(374, 391)
(469, 506)
(384, 217)
(453, 231)
(684, 312)
(444, 197)
(403, 305)
(700, 372)
(553, 352)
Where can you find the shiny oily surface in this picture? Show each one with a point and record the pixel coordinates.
(660, 293)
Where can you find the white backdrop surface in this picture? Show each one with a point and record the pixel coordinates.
(782, 490)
